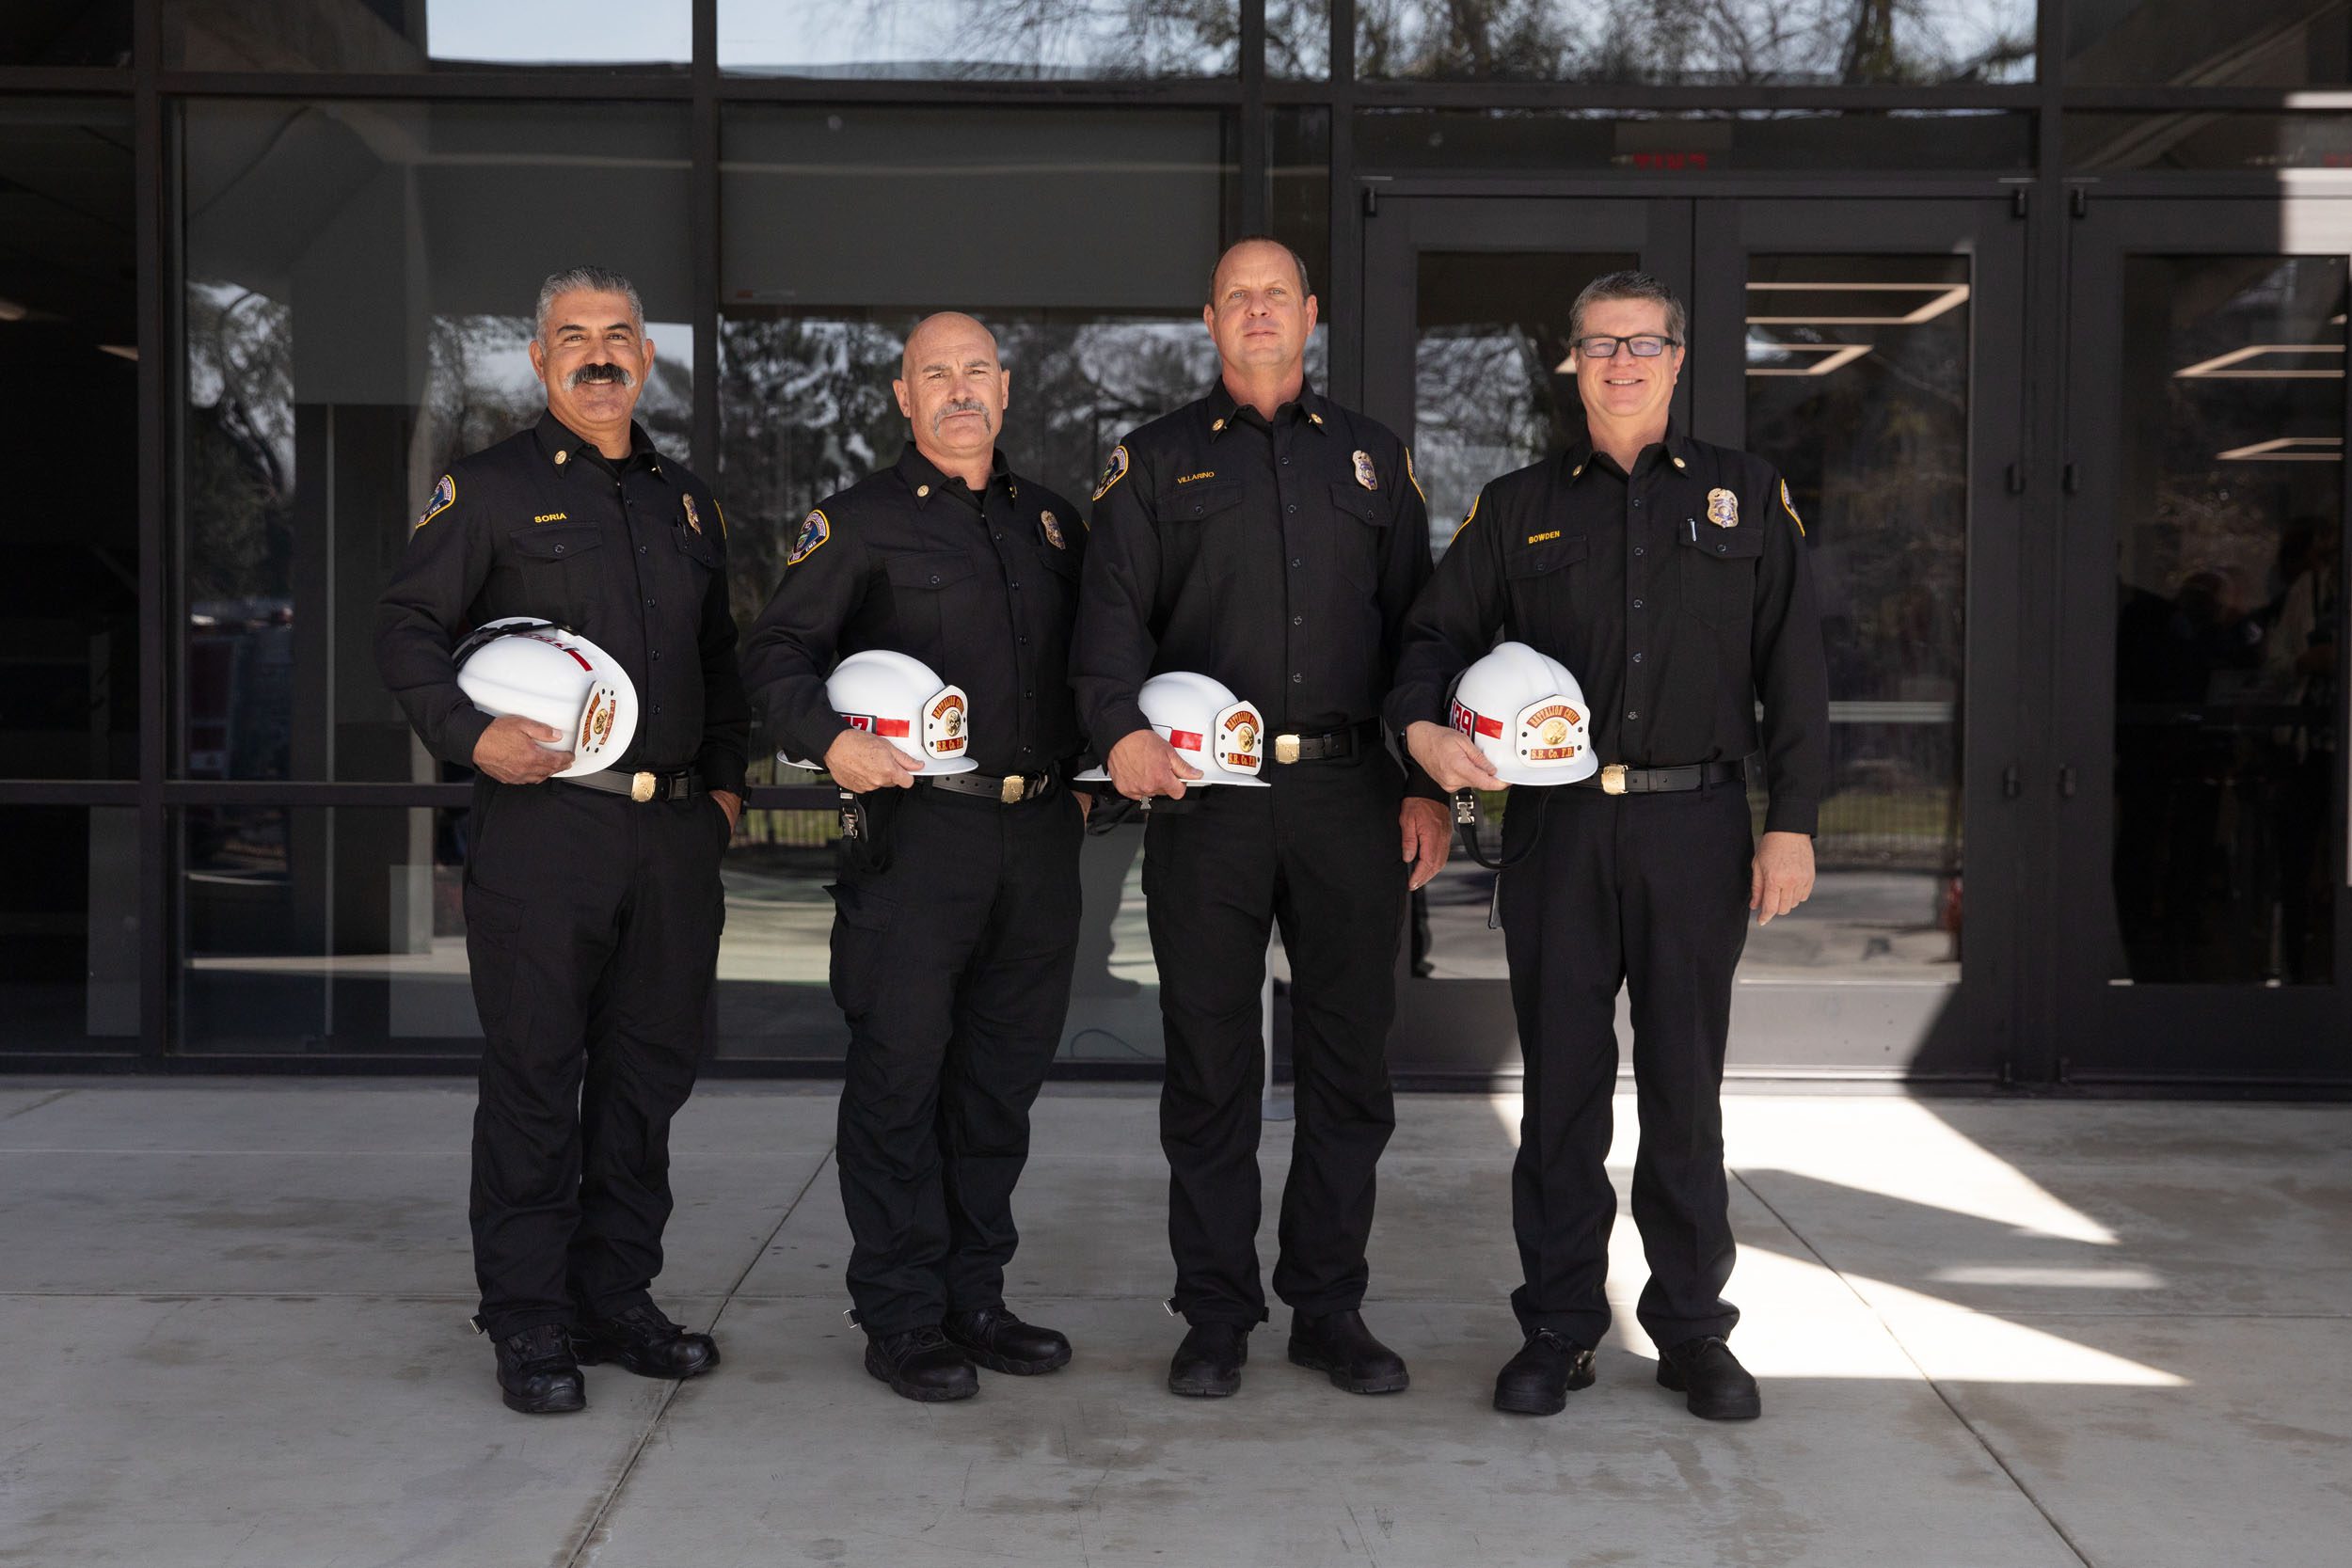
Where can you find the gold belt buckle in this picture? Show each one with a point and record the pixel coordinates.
(1286, 748)
(641, 787)
(1013, 790)
(1613, 779)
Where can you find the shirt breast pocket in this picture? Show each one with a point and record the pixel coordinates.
(1718, 571)
(935, 596)
(560, 571)
(1362, 524)
(1196, 528)
(702, 557)
(1548, 591)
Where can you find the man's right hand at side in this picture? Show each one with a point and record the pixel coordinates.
(510, 751)
(1143, 765)
(861, 761)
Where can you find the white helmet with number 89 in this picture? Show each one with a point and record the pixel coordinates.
(1526, 715)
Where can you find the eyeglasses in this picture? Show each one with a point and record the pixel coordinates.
(1648, 345)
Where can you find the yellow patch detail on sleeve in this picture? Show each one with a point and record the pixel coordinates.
(1473, 513)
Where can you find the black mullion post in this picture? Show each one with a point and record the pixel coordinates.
(2042, 564)
(1255, 174)
(1344, 287)
(703, 204)
(150, 192)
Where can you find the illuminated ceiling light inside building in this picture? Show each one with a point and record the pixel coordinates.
(11, 311)
(2287, 449)
(121, 351)
(2234, 366)
(1944, 297)
(1832, 356)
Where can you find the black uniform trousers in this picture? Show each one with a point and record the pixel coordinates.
(954, 932)
(592, 926)
(1650, 891)
(1318, 853)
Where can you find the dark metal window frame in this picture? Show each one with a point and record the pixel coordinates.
(1249, 96)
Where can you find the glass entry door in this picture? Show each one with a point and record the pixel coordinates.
(2200, 786)
(1870, 352)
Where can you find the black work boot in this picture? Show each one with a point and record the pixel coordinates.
(642, 1340)
(1716, 1386)
(1538, 1380)
(920, 1364)
(538, 1375)
(1207, 1366)
(1003, 1343)
(1339, 1344)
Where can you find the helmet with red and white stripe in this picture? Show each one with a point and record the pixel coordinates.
(1210, 728)
(537, 670)
(1526, 714)
(902, 699)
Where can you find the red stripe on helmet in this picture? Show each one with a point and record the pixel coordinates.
(894, 726)
(1489, 727)
(575, 653)
(1184, 740)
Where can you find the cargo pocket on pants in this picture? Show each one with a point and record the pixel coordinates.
(861, 932)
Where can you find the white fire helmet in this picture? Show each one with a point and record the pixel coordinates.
(1526, 713)
(1210, 728)
(534, 669)
(900, 698)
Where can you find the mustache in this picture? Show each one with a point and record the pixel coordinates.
(961, 406)
(604, 371)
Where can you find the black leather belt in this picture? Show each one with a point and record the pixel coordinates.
(1325, 745)
(1008, 790)
(1618, 779)
(683, 785)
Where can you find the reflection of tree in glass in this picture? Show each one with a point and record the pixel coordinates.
(1020, 40)
(1483, 406)
(237, 487)
(1697, 41)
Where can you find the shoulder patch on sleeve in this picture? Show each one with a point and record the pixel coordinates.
(1112, 473)
(814, 533)
(723, 515)
(1413, 479)
(1472, 514)
(1791, 507)
(444, 497)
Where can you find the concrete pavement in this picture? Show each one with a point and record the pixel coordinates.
(1992, 1332)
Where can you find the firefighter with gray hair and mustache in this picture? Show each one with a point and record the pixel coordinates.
(593, 905)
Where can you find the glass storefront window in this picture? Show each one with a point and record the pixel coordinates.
(1543, 141)
(1726, 43)
(831, 226)
(69, 930)
(2227, 639)
(66, 32)
(2194, 43)
(1857, 377)
(69, 351)
(359, 283)
(324, 929)
(425, 34)
(988, 40)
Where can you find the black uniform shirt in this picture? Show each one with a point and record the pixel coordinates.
(1679, 597)
(980, 587)
(1278, 557)
(630, 555)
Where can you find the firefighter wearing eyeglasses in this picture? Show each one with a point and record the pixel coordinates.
(1671, 576)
